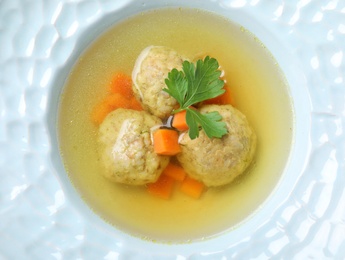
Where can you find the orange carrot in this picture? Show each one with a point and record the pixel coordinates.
(227, 97)
(174, 171)
(165, 142)
(117, 100)
(162, 187)
(107, 105)
(122, 84)
(224, 99)
(179, 121)
(135, 104)
(99, 112)
(216, 100)
(192, 187)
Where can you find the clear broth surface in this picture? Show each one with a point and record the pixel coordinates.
(260, 92)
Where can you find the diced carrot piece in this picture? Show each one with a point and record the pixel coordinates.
(216, 101)
(122, 84)
(162, 187)
(192, 187)
(225, 99)
(135, 104)
(117, 100)
(174, 171)
(179, 121)
(107, 105)
(165, 142)
(99, 112)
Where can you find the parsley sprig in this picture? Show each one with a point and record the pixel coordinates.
(194, 84)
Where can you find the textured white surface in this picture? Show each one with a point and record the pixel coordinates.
(39, 40)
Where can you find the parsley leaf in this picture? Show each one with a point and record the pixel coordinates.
(177, 85)
(210, 122)
(194, 84)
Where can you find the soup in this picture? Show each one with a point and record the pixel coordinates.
(260, 92)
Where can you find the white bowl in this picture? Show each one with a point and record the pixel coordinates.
(41, 213)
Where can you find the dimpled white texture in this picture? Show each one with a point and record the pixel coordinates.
(41, 216)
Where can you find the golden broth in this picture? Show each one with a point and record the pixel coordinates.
(260, 92)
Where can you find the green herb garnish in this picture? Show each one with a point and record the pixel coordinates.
(195, 84)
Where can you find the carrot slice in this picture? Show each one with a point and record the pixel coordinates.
(99, 112)
(192, 187)
(224, 99)
(107, 105)
(117, 100)
(179, 121)
(227, 97)
(122, 84)
(135, 104)
(216, 101)
(165, 142)
(162, 187)
(174, 171)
